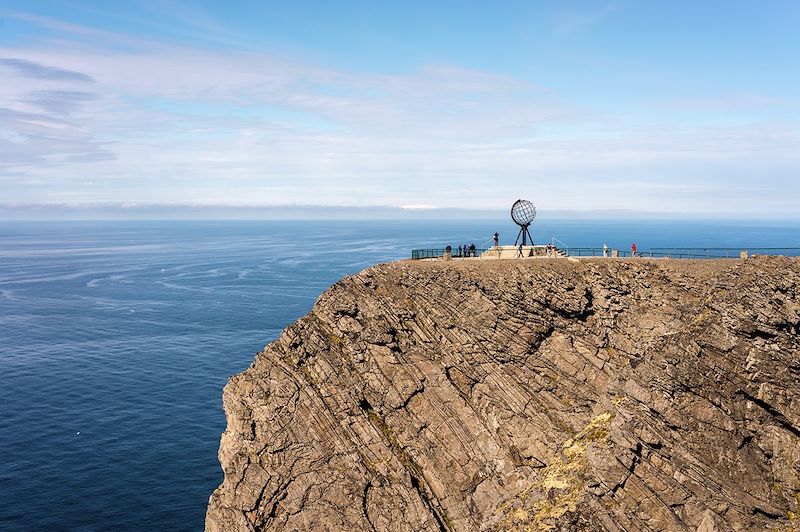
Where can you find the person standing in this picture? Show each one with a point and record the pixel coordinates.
(496, 239)
(605, 250)
(633, 249)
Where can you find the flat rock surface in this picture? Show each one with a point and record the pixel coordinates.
(552, 394)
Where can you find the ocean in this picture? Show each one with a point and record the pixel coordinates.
(116, 339)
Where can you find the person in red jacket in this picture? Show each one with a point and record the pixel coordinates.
(633, 249)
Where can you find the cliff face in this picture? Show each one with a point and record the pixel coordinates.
(542, 394)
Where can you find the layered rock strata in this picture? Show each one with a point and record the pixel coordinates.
(525, 395)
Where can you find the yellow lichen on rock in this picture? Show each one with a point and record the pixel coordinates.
(562, 483)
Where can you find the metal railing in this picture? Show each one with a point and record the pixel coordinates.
(598, 252)
(720, 253)
(586, 252)
(437, 253)
(688, 253)
(675, 253)
(564, 247)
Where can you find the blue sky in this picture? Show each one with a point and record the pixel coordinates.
(677, 107)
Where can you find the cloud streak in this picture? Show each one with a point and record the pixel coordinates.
(58, 102)
(30, 69)
(43, 119)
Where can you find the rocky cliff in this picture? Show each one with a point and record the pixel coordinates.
(525, 395)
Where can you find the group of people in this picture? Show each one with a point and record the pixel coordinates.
(465, 251)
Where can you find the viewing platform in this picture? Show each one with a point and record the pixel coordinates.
(554, 252)
(517, 252)
(523, 213)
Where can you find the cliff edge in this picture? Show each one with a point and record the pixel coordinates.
(525, 395)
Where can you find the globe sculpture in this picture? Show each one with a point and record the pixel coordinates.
(523, 212)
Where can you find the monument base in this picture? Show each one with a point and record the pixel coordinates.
(513, 252)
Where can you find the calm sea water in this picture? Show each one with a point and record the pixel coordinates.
(117, 338)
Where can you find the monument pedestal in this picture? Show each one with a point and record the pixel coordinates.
(513, 252)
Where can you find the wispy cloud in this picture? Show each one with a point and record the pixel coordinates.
(58, 102)
(30, 69)
(42, 124)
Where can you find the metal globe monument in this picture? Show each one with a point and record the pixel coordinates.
(523, 212)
